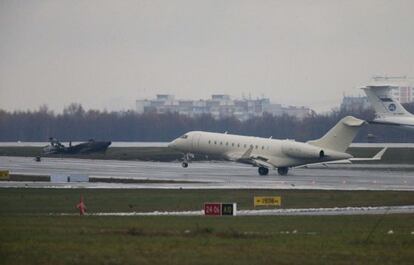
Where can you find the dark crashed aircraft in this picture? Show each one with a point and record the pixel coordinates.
(91, 146)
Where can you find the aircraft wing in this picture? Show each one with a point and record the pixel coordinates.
(240, 156)
(249, 158)
(261, 163)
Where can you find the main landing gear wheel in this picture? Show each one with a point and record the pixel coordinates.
(263, 171)
(283, 171)
(184, 164)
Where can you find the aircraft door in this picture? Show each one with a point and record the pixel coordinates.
(195, 142)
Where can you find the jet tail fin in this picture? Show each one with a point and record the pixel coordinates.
(382, 101)
(339, 137)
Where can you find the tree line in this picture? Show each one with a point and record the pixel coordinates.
(77, 124)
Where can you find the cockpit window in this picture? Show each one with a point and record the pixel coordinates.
(185, 136)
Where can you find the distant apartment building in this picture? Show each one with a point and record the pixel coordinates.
(404, 91)
(354, 103)
(404, 94)
(219, 106)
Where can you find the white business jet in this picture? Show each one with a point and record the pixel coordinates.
(388, 111)
(267, 153)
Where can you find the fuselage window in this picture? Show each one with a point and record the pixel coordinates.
(215, 142)
(257, 147)
(209, 141)
(251, 145)
(244, 145)
(221, 143)
(227, 143)
(232, 144)
(238, 145)
(262, 147)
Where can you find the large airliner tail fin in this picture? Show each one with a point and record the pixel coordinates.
(381, 99)
(340, 136)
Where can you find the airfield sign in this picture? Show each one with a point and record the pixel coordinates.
(4, 175)
(267, 201)
(212, 209)
(218, 209)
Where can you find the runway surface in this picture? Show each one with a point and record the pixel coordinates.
(211, 175)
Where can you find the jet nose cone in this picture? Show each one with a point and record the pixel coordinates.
(172, 144)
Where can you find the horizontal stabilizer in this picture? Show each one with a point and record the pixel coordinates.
(326, 164)
(376, 157)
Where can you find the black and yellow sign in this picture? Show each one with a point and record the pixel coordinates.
(228, 209)
(267, 201)
(4, 175)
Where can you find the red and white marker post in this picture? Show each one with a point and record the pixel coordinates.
(81, 206)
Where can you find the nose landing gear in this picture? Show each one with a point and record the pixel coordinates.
(186, 159)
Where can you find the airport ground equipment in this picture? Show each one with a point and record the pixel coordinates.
(92, 146)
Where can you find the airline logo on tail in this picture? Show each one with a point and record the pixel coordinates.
(392, 107)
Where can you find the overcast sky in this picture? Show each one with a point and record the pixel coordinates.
(107, 54)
